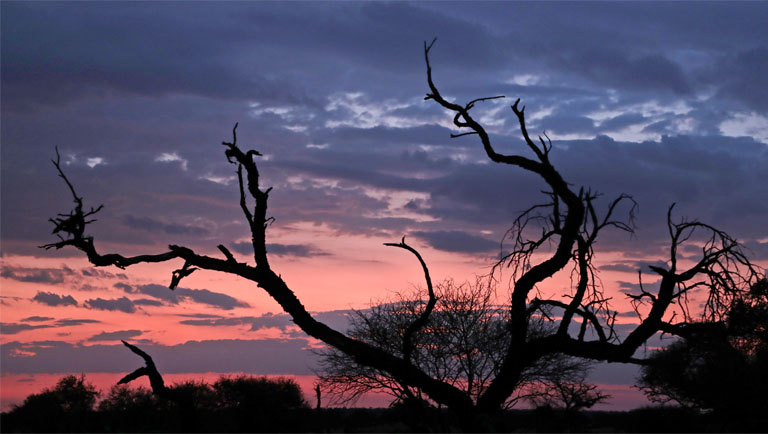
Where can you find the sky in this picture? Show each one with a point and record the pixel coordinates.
(667, 102)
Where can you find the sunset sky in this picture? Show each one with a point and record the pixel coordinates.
(664, 101)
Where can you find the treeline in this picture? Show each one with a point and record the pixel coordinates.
(241, 403)
(259, 404)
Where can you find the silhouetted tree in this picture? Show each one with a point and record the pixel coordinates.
(567, 392)
(67, 407)
(721, 366)
(569, 221)
(122, 398)
(462, 343)
(259, 403)
(133, 409)
(264, 394)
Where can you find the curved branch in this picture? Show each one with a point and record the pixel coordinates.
(421, 321)
(462, 112)
(587, 315)
(520, 113)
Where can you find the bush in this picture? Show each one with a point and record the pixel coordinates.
(67, 407)
(259, 403)
(724, 369)
(127, 409)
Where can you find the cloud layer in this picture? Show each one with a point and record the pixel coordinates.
(654, 112)
(266, 356)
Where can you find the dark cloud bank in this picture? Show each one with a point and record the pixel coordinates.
(52, 299)
(267, 356)
(172, 297)
(83, 76)
(262, 356)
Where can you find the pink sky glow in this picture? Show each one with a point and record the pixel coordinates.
(326, 284)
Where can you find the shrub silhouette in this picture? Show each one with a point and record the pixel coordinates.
(121, 399)
(259, 392)
(723, 368)
(129, 409)
(259, 403)
(67, 407)
(231, 404)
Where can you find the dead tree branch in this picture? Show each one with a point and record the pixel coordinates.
(422, 320)
(150, 370)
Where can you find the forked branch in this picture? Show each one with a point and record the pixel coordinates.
(149, 369)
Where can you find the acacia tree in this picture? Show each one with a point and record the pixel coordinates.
(462, 343)
(567, 390)
(570, 222)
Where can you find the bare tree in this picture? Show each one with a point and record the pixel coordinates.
(462, 343)
(566, 390)
(570, 221)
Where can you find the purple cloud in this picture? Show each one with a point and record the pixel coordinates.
(152, 225)
(13, 328)
(36, 318)
(122, 304)
(297, 250)
(52, 299)
(36, 275)
(115, 336)
(202, 296)
(266, 356)
(75, 322)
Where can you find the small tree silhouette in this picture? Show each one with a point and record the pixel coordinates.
(126, 409)
(463, 343)
(67, 407)
(258, 403)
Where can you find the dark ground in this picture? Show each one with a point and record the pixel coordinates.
(659, 419)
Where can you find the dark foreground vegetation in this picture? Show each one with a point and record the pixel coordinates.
(257, 404)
